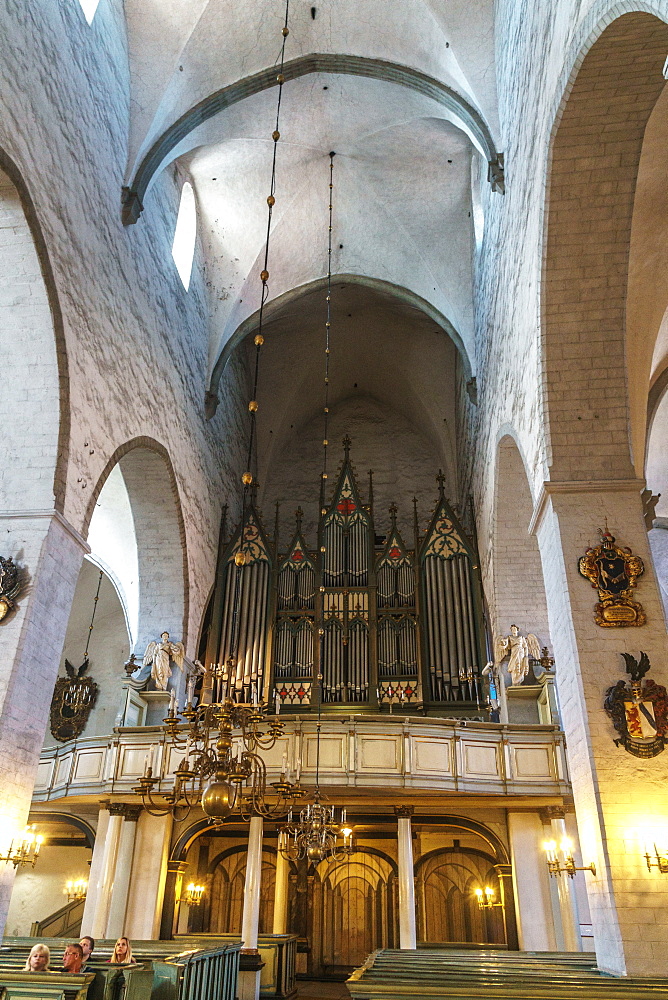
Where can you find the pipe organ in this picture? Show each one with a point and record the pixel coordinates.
(384, 624)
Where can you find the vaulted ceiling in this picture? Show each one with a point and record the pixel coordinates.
(402, 90)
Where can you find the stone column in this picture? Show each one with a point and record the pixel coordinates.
(105, 879)
(280, 924)
(123, 870)
(535, 928)
(49, 553)
(96, 866)
(407, 932)
(149, 872)
(249, 976)
(618, 797)
(568, 908)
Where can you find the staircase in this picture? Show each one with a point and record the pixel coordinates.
(493, 975)
(65, 922)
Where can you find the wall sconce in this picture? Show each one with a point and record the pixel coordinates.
(193, 895)
(76, 889)
(347, 834)
(661, 861)
(553, 865)
(23, 849)
(485, 898)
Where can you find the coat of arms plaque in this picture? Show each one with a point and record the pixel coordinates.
(614, 572)
(639, 712)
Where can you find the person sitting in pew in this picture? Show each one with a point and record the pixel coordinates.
(38, 959)
(73, 959)
(122, 953)
(88, 945)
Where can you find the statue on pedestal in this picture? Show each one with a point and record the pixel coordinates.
(158, 655)
(520, 648)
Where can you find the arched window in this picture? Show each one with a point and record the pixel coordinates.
(183, 247)
(89, 7)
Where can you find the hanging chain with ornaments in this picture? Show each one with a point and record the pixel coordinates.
(221, 742)
(315, 835)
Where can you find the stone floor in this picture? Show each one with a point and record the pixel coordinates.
(314, 990)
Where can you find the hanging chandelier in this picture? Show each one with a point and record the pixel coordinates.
(316, 834)
(222, 768)
(221, 741)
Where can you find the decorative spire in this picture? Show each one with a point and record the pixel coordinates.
(299, 513)
(440, 479)
(393, 514)
(346, 447)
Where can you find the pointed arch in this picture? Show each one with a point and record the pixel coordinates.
(35, 356)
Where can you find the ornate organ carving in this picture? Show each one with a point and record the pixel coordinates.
(387, 624)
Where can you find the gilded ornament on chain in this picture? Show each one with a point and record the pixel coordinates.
(73, 698)
(614, 572)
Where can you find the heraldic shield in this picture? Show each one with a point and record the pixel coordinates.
(613, 572)
(639, 712)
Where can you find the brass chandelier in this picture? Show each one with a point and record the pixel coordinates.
(221, 741)
(222, 768)
(315, 835)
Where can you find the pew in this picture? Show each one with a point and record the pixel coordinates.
(17, 985)
(206, 971)
(493, 975)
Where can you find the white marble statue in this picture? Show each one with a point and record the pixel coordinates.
(158, 654)
(519, 648)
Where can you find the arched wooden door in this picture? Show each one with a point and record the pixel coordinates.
(354, 911)
(227, 892)
(447, 906)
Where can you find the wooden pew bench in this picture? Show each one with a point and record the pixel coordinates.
(18, 985)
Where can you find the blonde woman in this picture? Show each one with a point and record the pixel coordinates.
(122, 953)
(38, 959)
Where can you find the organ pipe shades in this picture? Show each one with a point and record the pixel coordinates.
(21, 849)
(554, 862)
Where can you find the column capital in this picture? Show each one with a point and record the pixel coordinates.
(504, 871)
(176, 867)
(553, 487)
(404, 812)
(552, 812)
(127, 810)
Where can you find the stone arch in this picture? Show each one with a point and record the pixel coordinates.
(159, 532)
(596, 148)
(656, 474)
(401, 294)
(518, 586)
(35, 383)
(174, 140)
